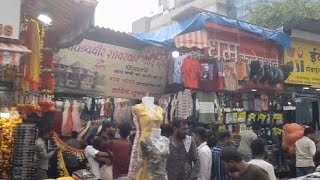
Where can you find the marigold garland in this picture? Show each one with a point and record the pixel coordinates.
(79, 153)
(62, 166)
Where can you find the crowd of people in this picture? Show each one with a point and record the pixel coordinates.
(201, 156)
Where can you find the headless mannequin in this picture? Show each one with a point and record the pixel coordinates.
(149, 103)
(156, 132)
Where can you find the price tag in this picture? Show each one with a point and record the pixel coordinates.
(262, 117)
(242, 115)
(277, 116)
(234, 116)
(222, 128)
(252, 116)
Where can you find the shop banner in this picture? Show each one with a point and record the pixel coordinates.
(305, 60)
(10, 19)
(110, 70)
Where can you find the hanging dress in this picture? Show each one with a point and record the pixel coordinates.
(76, 116)
(65, 117)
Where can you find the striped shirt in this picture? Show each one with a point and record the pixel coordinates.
(218, 171)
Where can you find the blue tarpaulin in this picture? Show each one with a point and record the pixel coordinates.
(165, 36)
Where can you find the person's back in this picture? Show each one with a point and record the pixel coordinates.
(265, 166)
(258, 148)
(254, 172)
(305, 151)
(247, 137)
(121, 152)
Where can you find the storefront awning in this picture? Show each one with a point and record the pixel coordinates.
(198, 39)
(70, 18)
(14, 48)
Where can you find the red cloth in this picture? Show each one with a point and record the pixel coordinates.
(69, 125)
(191, 71)
(121, 152)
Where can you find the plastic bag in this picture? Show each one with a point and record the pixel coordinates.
(291, 133)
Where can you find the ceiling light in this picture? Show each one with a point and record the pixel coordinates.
(253, 90)
(318, 89)
(306, 88)
(175, 54)
(45, 19)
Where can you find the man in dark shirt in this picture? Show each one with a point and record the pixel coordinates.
(121, 152)
(240, 169)
(183, 162)
(218, 171)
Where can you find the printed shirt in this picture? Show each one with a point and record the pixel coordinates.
(42, 157)
(218, 171)
(184, 104)
(177, 74)
(305, 151)
(191, 73)
(205, 157)
(183, 161)
(209, 75)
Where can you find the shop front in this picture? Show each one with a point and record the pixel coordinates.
(28, 35)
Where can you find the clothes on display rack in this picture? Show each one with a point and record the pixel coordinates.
(184, 106)
(145, 118)
(231, 82)
(191, 73)
(207, 105)
(164, 102)
(209, 75)
(64, 129)
(123, 111)
(177, 72)
(58, 116)
(156, 151)
(76, 116)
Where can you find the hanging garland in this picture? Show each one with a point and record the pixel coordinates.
(62, 166)
(79, 153)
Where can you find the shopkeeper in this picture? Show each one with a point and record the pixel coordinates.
(42, 157)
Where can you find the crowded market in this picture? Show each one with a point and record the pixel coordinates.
(84, 102)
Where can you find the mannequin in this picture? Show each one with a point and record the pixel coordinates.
(155, 151)
(147, 118)
(156, 132)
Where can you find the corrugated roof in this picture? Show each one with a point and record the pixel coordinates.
(117, 38)
(70, 18)
(308, 25)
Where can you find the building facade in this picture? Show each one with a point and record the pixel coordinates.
(170, 8)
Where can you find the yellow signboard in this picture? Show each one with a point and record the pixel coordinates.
(305, 60)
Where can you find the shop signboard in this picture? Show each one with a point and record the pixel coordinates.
(305, 59)
(110, 70)
(10, 19)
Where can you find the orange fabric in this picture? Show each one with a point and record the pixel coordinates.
(69, 124)
(291, 133)
(241, 70)
(191, 73)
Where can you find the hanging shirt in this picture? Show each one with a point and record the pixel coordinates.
(177, 74)
(209, 75)
(206, 105)
(257, 104)
(191, 73)
(264, 102)
(231, 82)
(184, 104)
(241, 71)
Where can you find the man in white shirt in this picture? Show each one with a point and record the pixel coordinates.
(205, 155)
(94, 157)
(258, 153)
(305, 151)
